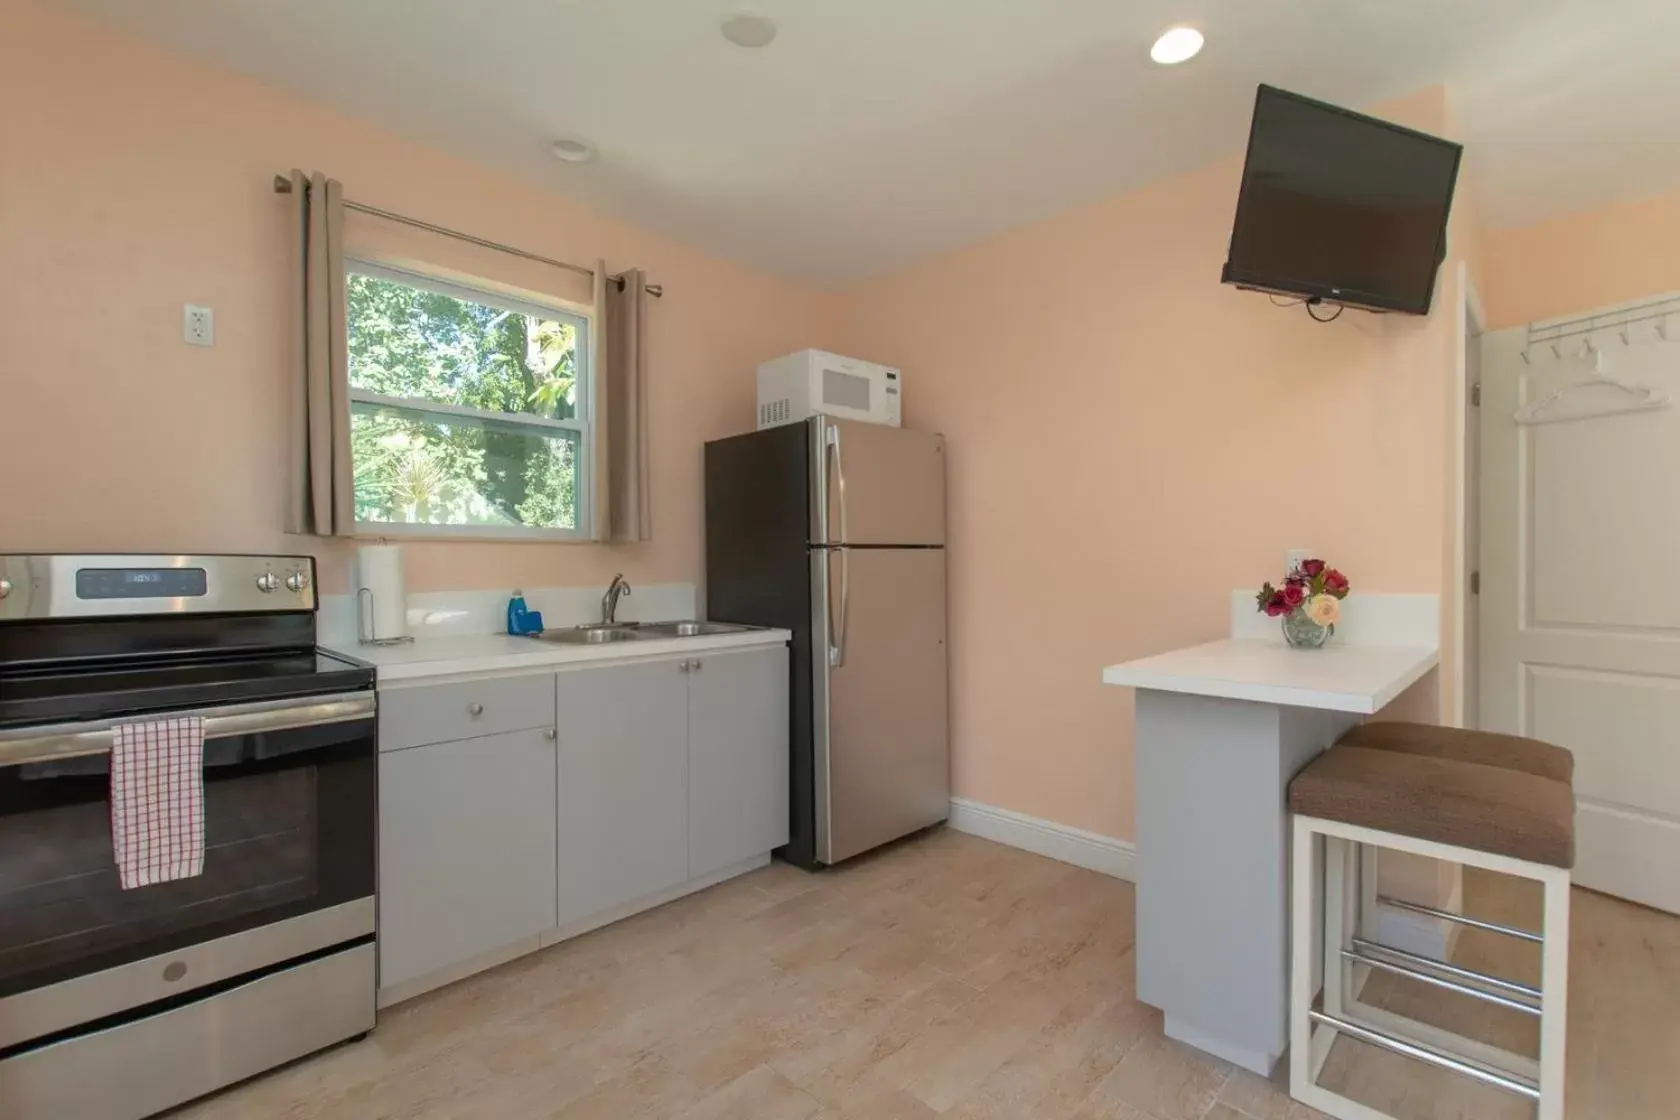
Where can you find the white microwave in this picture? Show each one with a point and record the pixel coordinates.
(794, 388)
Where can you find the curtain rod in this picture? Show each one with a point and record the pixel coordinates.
(283, 185)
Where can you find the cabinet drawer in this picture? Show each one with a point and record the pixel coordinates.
(409, 717)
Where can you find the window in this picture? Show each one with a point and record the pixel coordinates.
(469, 411)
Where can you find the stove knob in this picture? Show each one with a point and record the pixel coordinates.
(267, 582)
(297, 581)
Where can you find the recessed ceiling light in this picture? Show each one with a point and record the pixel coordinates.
(573, 150)
(749, 30)
(1176, 44)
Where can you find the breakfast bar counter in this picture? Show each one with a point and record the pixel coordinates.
(1221, 728)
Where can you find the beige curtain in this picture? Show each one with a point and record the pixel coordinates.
(625, 512)
(320, 479)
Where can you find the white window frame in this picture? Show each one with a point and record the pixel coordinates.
(583, 425)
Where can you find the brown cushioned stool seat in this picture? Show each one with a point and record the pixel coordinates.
(1506, 811)
(1487, 748)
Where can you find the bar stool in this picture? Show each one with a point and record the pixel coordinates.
(1498, 802)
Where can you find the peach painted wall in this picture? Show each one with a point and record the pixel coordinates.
(1583, 261)
(133, 181)
(1129, 440)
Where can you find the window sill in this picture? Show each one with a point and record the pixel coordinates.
(467, 534)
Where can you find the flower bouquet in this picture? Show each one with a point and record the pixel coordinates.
(1309, 602)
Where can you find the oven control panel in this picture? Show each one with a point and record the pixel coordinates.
(133, 584)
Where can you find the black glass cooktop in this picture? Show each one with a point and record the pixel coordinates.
(69, 693)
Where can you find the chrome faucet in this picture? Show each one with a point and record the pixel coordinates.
(609, 602)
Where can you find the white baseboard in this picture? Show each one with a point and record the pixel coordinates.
(1419, 933)
(1252, 1060)
(1089, 850)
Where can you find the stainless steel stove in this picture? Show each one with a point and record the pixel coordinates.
(114, 1004)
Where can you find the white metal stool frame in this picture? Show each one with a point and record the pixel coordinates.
(1345, 865)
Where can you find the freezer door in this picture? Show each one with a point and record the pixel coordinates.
(877, 485)
(882, 737)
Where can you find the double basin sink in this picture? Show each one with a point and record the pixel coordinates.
(601, 632)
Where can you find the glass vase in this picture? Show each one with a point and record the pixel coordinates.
(1302, 632)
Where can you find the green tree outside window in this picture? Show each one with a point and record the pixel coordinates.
(423, 347)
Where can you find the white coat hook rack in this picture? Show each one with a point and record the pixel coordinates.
(1622, 322)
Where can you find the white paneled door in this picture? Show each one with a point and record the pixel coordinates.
(1580, 594)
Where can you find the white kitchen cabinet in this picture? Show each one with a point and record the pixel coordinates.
(737, 757)
(466, 850)
(659, 776)
(622, 784)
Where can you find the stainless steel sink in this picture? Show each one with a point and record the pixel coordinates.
(589, 635)
(601, 633)
(690, 629)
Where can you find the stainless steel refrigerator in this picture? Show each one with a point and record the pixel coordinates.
(835, 530)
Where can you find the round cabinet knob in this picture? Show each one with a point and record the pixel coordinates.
(5, 588)
(267, 582)
(475, 709)
(548, 733)
(698, 665)
(297, 581)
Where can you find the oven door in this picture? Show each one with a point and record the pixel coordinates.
(290, 820)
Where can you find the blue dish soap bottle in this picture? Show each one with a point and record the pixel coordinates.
(522, 620)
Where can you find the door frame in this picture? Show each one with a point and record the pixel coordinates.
(1470, 323)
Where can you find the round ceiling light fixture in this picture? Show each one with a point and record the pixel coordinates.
(1176, 44)
(573, 150)
(747, 30)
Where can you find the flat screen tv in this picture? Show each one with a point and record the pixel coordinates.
(1342, 207)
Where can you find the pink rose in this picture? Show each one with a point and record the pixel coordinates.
(1293, 595)
(1335, 583)
(1276, 607)
(1311, 568)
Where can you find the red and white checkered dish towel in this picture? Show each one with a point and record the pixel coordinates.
(157, 800)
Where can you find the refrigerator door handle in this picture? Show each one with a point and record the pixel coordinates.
(837, 652)
(839, 484)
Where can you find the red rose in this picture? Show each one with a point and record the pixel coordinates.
(1276, 607)
(1311, 568)
(1293, 595)
(1335, 583)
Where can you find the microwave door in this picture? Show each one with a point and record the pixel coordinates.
(882, 485)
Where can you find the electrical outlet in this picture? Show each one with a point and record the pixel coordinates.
(198, 325)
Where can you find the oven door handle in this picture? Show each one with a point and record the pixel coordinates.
(53, 742)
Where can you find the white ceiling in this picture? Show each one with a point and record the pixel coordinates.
(874, 132)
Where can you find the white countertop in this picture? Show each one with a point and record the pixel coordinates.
(1340, 677)
(472, 654)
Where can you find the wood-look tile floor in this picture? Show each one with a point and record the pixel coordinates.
(943, 977)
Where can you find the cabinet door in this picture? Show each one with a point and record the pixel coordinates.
(737, 758)
(466, 850)
(623, 784)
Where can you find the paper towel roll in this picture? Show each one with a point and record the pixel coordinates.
(381, 600)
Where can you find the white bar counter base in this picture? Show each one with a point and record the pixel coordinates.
(1221, 730)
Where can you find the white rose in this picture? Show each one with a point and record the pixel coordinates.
(1324, 609)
